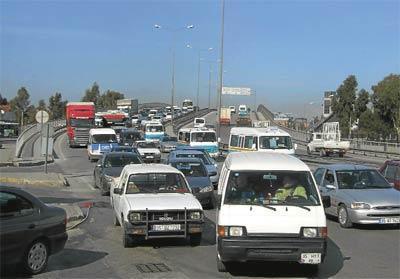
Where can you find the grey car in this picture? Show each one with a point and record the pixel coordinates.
(358, 194)
(168, 144)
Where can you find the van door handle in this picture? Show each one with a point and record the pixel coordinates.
(31, 226)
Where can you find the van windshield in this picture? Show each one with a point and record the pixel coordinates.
(105, 138)
(271, 188)
(155, 128)
(275, 142)
(203, 137)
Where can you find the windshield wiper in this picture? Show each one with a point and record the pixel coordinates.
(264, 205)
(297, 205)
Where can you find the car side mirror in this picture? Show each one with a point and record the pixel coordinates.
(330, 187)
(212, 173)
(117, 191)
(326, 201)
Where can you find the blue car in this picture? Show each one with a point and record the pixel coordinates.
(190, 152)
(197, 176)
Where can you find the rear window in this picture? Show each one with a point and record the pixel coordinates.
(192, 169)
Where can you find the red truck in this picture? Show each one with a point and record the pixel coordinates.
(80, 119)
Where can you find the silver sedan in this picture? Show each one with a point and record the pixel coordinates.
(358, 194)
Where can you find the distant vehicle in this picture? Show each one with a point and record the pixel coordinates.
(177, 111)
(270, 210)
(168, 116)
(329, 141)
(79, 120)
(232, 109)
(198, 178)
(152, 112)
(113, 118)
(199, 122)
(157, 118)
(243, 121)
(168, 144)
(153, 131)
(243, 110)
(391, 171)
(110, 167)
(225, 117)
(271, 139)
(168, 109)
(149, 151)
(191, 152)
(359, 194)
(200, 138)
(184, 110)
(118, 130)
(188, 104)
(135, 120)
(30, 231)
(129, 106)
(129, 136)
(101, 140)
(154, 201)
(261, 124)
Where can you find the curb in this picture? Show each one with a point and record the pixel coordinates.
(6, 164)
(61, 181)
(31, 163)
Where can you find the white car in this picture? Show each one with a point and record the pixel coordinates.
(148, 150)
(154, 201)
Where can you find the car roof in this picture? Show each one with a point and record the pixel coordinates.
(186, 151)
(150, 168)
(188, 160)
(269, 131)
(348, 166)
(255, 160)
(119, 154)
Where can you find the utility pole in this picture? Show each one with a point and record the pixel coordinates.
(209, 85)
(198, 81)
(221, 71)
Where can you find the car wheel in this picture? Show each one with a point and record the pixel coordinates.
(36, 257)
(221, 266)
(195, 239)
(343, 217)
(115, 221)
(312, 270)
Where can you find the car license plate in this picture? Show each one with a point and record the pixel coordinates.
(389, 220)
(149, 157)
(170, 227)
(310, 258)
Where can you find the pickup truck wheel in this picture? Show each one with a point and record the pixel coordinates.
(127, 240)
(343, 217)
(195, 239)
(221, 266)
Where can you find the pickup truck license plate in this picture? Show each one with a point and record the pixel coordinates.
(149, 157)
(389, 220)
(170, 227)
(310, 258)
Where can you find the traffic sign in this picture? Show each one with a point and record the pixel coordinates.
(239, 91)
(42, 116)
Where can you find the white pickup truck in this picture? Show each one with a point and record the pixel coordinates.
(328, 142)
(154, 201)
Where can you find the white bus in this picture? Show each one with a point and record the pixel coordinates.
(270, 139)
(153, 131)
(203, 138)
(188, 104)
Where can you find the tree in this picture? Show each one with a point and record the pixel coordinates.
(20, 103)
(343, 104)
(41, 105)
(109, 99)
(3, 101)
(361, 103)
(92, 94)
(57, 106)
(386, 101)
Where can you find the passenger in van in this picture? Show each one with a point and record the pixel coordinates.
(290, 189)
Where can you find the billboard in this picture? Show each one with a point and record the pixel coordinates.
(238, 91)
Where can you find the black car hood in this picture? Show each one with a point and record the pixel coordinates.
(113, 171)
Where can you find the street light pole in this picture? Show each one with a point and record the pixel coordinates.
(198, 81)
(209, 85)
(221, 70)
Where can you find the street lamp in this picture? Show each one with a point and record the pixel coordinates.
(173, 32)
(198, 70)
(221, 70)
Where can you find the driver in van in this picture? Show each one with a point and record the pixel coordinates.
(290, 189)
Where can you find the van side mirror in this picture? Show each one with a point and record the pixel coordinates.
(330, 187)
(295, 146)
(326, 201)
(117, 191)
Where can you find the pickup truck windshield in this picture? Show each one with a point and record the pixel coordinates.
(143, 183)
(107, 138)
(82, 123)
(275, 142)
(361, 179)
(271, 188)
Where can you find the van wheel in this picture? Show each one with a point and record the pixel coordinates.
(36, 257)
(195, 239)
(343, 217)
(221, 266)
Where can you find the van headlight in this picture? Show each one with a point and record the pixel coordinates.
(311, 232)
(360, 205)
(206, 189)
(195, 215)
(134, 217)
(234, 231)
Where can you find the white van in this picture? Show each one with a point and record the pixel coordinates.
(199, 122)
(101, 140)
(269, 209)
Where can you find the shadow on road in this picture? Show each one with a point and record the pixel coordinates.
(60, 200)
(373, 227)
(332, 264)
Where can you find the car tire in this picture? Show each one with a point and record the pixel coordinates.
(221, 266)
(343, 217)
(36, 257)
(115, 221)
(195, 239)
(127, 240)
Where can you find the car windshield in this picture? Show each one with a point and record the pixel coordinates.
(201, 156)
(120, 161)
(82, 123)
(156, 183)
(104, 138)
(165, 139)
(275, 142)
(200, 121)
(361, 179)
(146, 145)
(203, 137)
(271, 188)
(154, 128)
(192, 169)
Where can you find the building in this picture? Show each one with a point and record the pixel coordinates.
(300, 123)
(327, 105)
(283, 119)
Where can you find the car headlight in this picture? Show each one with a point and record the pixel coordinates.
(108, 178)
(231, 231)
(360, 205)
(195, 215)
(314, 232)
(134, 217)
(207, 189)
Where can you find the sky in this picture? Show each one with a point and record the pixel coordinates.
(288, 52)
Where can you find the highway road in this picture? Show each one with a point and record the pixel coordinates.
(94, 249)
